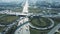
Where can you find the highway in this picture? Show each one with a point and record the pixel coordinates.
(14, 13)
(23, 29)
(46, 15)
(9, 27)
(54, 29)
(23, 24)
(28, 14)
(2, 25)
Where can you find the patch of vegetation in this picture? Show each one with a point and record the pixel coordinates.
(1, 28)
(35, 31)
(40, 22)
(17, 10)
(8, 19)
(34, 10)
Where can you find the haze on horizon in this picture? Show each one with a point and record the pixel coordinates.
(8, 1)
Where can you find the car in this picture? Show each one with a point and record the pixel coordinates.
(26, 29)
(21, 17)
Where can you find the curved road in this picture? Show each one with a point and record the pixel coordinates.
(45, 27)
(20, 28)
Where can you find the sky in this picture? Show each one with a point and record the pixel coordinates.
(24, 0)
(8, 1)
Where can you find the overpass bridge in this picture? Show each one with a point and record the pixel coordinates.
(15, 13)
(28, 14)
(25, 29)
(45, 15)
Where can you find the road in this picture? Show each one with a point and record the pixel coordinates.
(27, 14)
(54, 29)
(13, 13)
(24, 29)
(6, 29)
(2, 16)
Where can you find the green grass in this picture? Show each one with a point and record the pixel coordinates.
(1, 14)
(40, 22)
(8, 19)
(57, 32)
(34, 10)
(36, 22)
(39, 10)
(35, 31)
(1, 28)
(17, 10)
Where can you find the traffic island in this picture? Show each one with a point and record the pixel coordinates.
(41, 23)
(8, 19)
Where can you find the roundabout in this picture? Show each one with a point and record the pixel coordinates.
(41, 23)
